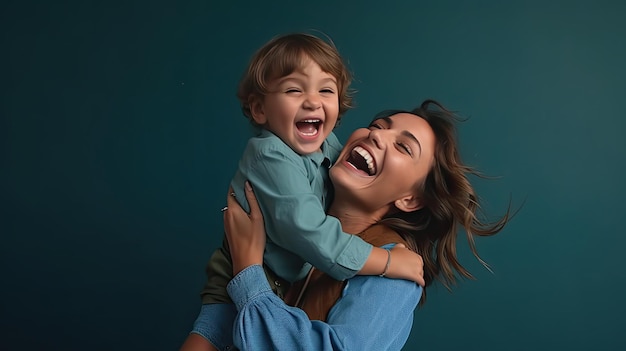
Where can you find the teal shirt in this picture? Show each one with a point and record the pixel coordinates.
(292, 191)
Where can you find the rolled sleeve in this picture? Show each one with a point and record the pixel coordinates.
(247, 285)
(351, 259)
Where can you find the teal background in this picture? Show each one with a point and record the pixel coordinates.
(120, 131)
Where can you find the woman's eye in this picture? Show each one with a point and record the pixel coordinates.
(376, 126)
(406, 148)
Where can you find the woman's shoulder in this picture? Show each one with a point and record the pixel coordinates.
(380, 235)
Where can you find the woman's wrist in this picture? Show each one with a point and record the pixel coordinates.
(242, 259)
(241, 265)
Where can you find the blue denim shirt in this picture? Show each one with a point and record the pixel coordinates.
(373, 313)
(291, 190)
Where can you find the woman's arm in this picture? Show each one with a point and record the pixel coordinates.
(374, 313)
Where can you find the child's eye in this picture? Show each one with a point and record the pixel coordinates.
(327, 91)
(292, 90)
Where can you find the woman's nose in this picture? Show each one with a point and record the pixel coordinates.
(377, 137)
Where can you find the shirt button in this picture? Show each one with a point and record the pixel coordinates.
(277, 283)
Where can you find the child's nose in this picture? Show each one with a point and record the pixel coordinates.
(312, 101)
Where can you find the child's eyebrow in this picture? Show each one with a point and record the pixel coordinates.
(290, 79)
(329, 79)
(297, 77)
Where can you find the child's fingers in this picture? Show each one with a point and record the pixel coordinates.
(420, 281)
(413, 271)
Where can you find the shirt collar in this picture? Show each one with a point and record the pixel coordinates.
(318, 158)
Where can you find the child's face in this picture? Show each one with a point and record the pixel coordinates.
(301, 108)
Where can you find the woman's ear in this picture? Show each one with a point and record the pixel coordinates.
(409, 203)
(257, 110)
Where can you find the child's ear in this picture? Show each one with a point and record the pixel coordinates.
(409, 203)
(257, 110)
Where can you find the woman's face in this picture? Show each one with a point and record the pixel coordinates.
(386, 162)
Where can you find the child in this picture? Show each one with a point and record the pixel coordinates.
(295, 89)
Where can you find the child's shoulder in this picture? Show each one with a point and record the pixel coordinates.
(266, 143)
(332, 147)
(333, 142)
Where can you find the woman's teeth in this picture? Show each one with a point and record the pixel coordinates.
(369, 160)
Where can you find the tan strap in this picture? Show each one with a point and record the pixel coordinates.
(319, 292)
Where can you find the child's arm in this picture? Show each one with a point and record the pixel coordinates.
(297, 227)
(296, 221)
(399, 262)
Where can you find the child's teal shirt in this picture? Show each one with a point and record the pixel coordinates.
(293, 191)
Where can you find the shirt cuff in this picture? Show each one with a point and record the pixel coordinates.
(248, 284)
(352, 259)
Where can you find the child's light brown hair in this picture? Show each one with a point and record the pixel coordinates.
(283, 55)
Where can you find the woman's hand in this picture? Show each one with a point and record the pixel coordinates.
(245, 233)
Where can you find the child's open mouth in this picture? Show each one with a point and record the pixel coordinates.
(309, 127)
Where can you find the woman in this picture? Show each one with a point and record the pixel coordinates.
(403, 173)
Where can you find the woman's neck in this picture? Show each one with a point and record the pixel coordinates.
(353, 220)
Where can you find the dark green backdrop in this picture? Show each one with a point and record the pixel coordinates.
(120, 131)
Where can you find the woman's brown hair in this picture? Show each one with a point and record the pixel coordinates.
(283, 55)
(449, 201)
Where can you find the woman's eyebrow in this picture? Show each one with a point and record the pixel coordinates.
(412, 137)
(406, 133)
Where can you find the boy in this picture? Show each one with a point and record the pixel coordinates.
(295, 89)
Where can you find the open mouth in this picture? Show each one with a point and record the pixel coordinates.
(309, 127)
(362, 160)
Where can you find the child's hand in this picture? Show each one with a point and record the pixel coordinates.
(406, 264)
(245, 233)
